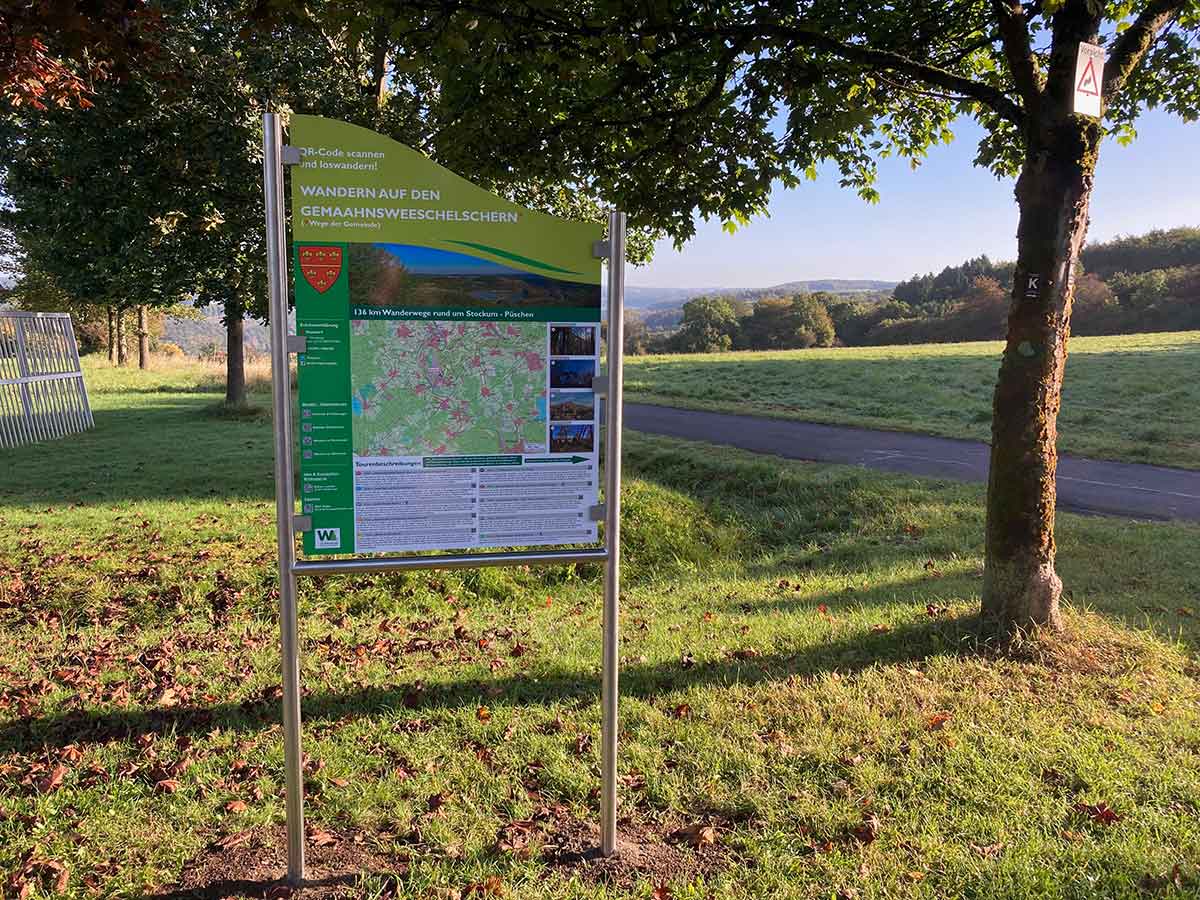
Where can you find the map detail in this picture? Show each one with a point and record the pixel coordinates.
(428, 388)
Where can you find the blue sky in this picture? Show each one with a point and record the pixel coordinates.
(940, 214)
(427, 261)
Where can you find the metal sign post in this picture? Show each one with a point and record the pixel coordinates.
(285, 502)
(612, 535)
(288, 523)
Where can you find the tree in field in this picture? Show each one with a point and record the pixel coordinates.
(677, 108)
(787, 323)
(709, 325)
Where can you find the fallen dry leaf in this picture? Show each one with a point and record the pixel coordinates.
(319, 838)
(988, 851)
(701, 834)
(868, 830)
(53, 780)
(1099, 813)
(166, 786)
(491, 886)
(235, 806)
(937, 721)
(661, 892)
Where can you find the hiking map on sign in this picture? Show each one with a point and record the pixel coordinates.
(451, 343)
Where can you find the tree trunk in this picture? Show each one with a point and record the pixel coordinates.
(143, 336)
(122, 354)
(379, 53)
(235, 357)
(112, 335)
(1020, 587)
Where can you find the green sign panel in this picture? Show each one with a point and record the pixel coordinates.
(452, 339)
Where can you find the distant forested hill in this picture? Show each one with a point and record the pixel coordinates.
(195, 336)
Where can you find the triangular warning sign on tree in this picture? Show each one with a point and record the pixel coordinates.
(1089, 80)
(1088, 84)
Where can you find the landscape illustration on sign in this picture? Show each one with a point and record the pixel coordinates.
(388, 275)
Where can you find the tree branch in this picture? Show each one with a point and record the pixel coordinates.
(989, 96)
(1131, 46)
(1014, 38)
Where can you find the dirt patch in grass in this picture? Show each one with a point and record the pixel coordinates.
(645, 853)
(253, 864)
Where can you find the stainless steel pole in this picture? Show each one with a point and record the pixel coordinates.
(612, 535)
(285, 502)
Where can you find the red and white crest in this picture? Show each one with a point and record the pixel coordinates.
(321, 266)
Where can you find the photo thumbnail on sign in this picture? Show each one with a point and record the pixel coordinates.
(572, 340)
(577, 438)
(572, 373)
(572, 406)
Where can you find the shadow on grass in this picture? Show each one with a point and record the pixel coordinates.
(905, 645)
(168, 449)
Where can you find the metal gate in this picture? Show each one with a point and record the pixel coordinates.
(42, 394)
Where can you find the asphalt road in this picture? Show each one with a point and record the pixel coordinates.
(1084, 485)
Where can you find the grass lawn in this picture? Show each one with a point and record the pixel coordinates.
(1132, 397)
(801, 675)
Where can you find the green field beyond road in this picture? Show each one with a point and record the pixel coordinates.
(801, 676)
(1134, 398)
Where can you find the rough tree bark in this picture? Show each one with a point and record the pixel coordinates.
(235, 355)
(112, 335)
(143, 336)
(122, 352)
(381, 44)
(1021, 588)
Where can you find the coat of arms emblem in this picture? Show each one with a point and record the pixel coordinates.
(321, 266)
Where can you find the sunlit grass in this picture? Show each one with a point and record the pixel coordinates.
(1130, 397)
(801, 669)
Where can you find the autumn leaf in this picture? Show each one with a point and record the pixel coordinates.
(230, 841)
(235, 806)
(53, 780)
(682, 711)
(1099, 813)
(701, 834)
(491, 886)
(988, 851)
(868, 830)
(166, 786)
(483, 714)
(661, 892)
(320, 838)
(937, 721)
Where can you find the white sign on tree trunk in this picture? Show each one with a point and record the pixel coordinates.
(1089, 72)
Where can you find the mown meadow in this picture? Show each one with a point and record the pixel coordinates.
(1129, 397)
(808, 710)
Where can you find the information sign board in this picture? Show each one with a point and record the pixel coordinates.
(451, 343)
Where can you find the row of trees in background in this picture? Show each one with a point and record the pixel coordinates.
(713, 324)
(138, 185)
(1150, 282)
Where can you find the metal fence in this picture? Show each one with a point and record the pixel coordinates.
(42, 394)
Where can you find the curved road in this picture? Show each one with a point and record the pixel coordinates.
(1084, 485)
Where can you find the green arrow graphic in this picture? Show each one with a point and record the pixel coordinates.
(551, 459)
